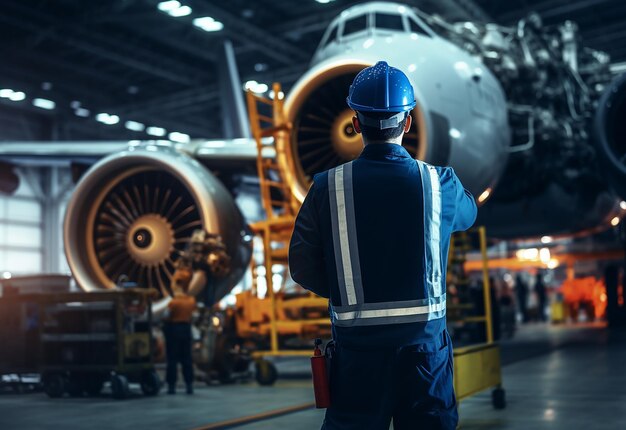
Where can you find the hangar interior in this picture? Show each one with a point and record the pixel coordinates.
(128, 126)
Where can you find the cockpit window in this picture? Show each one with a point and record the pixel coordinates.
(389, 21)
(414, 27)
(331, 36)
(354, 25)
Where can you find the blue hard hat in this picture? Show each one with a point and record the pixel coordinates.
(381, 88)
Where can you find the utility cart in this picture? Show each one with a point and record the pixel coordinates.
(87, 339)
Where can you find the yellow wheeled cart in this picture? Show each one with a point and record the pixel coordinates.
(476, 367)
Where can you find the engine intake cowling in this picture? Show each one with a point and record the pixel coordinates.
(133, 212)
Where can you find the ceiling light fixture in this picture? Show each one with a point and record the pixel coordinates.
(44, 104)
(208, 23)
(82, 112)
(174, 8)
(107, 119)
(15, 96)
(156, 131)
(176, 136)
(134, 126)
(256, 87)
(281, 95)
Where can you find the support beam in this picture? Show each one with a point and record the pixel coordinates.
(127, 54)
(266, 42)
(234, 114)
(208, 94)
(470, 9)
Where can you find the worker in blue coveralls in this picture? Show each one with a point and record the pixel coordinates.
(373, 236)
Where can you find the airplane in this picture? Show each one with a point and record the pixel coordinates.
(528, 118)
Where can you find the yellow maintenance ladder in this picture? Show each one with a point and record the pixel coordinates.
(268, 125)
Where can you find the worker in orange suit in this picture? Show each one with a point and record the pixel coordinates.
(178, 340)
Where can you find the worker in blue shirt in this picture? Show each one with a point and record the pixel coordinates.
(372, 235)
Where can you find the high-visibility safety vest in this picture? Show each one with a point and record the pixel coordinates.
(355, 310)
(373, 236)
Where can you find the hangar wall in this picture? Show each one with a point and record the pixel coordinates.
(31, 223)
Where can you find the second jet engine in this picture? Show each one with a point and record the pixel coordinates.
(133, 213)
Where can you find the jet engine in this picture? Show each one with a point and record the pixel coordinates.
(133, 212)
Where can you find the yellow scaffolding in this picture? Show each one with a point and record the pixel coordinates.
(268, 122)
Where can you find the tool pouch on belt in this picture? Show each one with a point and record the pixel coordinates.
(320, 366)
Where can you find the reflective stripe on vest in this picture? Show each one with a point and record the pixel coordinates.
(353, 310)
(431, 186)
(344, 234)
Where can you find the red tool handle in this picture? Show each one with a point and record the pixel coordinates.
(321, 387)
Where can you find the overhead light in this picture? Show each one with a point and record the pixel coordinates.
(156, 131)
(166, 6)
(174, 8)
(134, 126)
(281, 95)
(324, 1)
(107, 119)
(615, 221)
(553, 263)
(6, 275)
(74, 104)
(15, 96)
(256, 87)
(181, 11)
(82, 112)
(260, 67)
(179, 137)
(46, 86)
(546, 239)
(208, 23)
(622, 205)
(44, 104)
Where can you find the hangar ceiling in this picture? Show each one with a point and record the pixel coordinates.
(136, 62)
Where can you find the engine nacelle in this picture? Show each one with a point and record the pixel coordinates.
(610, 134)
(134, 211)
(460, 119)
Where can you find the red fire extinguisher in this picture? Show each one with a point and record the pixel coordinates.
(320, 377)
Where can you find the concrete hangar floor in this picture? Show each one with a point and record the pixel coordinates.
(556, 377)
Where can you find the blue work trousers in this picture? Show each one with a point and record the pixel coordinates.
(178, 350)
(412, 385)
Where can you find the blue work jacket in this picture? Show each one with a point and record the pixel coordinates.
(373, 235)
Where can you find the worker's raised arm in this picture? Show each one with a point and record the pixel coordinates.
(459, 204)
(306, 257)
